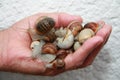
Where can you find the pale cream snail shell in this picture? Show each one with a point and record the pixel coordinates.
(66, 41)
(76, 45)
(36, 48)
(85, 34)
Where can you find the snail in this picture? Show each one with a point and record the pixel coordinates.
(37, 52)
(85, 34)
(44, 24)
(50, 36)
(36, 47)
(49, 48)
(56, 64)
(75, 27)
(44, 30)
(59, 61)
(94, 26)
(76, 45)
(65, 41)
(63, 53)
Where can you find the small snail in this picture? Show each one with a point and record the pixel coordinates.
(85, 34)
(94, 26)
(56, 64)
(44, 25)
(76, 45)
(49, 48)
(75, 27)
(66, 41)
(36, 47)
(63, 53)
(37, 52)
(44, 30)
(47, 57)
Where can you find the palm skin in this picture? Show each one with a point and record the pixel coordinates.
(16, 52)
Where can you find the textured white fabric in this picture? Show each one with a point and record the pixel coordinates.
(106, 65)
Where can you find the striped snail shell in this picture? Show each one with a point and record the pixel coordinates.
(44, 25)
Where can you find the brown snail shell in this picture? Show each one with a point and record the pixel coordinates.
(50, 36)
(94, 25)
(37, 52)
(75, 27)
(49, 48)
(85, 34)
(56, 64)
(44, 25)
(61, 54)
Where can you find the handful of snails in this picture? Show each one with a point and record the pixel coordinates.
(52, 45)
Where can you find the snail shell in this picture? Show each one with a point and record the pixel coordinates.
(85, 34)
(37, 52)
(61, 54)
(95, 26)
(66, 41)
(44, 25)
(49, 48)
(59, 63)
(43, 30)
(50, 36)
(75, 27)
(56, 64)
(47, 57)
(76, 45)
(36, 48)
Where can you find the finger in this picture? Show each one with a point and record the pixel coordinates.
(76, 59)
(61, 19)
(104, 33)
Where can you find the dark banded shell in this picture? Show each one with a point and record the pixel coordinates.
(92, 25)
(44, 25)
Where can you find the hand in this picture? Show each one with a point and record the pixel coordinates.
(15, 49)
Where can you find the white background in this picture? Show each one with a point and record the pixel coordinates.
(106, 65)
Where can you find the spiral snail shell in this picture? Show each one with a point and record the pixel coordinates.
(66, 41)
(44, 25)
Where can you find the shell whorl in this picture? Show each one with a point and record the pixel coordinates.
(44, 25)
